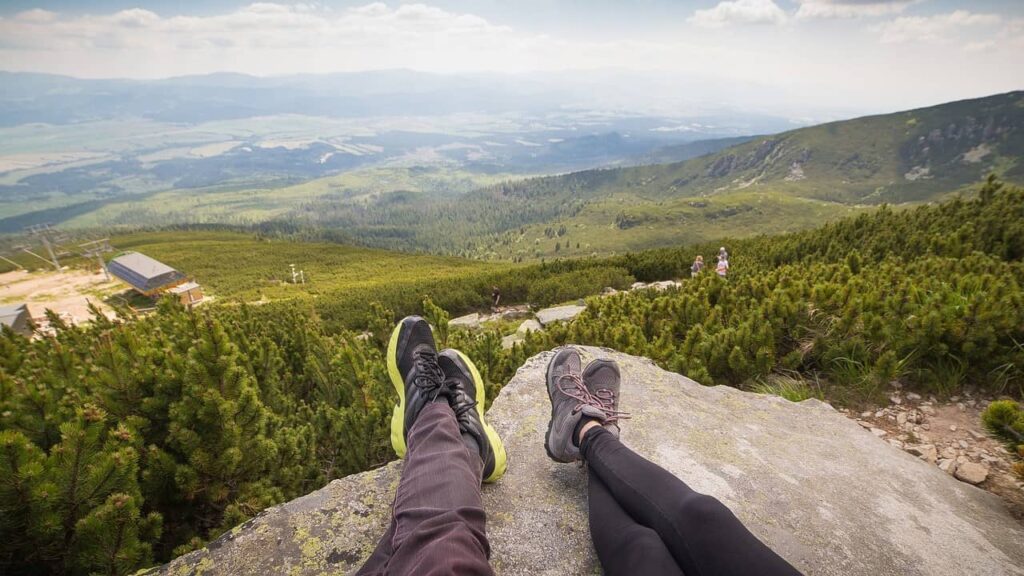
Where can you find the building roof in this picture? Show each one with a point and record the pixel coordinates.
(184, 287)
(142, 272)
(15, 316)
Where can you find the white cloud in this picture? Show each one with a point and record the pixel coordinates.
(937, 28)
(850, 8)
(739, 12)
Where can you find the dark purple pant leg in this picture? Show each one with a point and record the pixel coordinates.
(438, 524)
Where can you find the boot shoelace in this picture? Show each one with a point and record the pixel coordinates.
(429, 376)
(463, 402)
(603, 399)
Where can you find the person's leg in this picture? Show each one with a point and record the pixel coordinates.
(378, 561)
(438, 521)
(623, 546)
(438, 525)
(702, 534)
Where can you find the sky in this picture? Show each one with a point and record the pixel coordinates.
(854, 54)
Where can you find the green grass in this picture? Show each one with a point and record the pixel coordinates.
(667, 223)
(245, 267)
(248, 204)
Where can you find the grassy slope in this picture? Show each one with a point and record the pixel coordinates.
(249, 205)
(755, 187)
(248, 268)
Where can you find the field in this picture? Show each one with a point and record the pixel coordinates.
(249, 268)
(244, 204)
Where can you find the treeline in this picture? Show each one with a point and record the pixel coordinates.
(123, 444)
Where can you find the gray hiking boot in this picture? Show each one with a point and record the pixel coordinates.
(602, 379)
(572, 401)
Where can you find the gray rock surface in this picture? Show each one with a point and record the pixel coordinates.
(825, 493)
(559, 313)
(530, 325)
(467, 321)
(507, 342)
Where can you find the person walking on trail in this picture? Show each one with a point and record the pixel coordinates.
(495, 297)
(643, 520)
(722, 268)
(697, 267)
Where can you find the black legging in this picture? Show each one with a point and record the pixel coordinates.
(644, 520)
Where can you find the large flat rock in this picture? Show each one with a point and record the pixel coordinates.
(559, 313)
(827, 495)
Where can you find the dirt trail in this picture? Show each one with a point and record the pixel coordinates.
(67, 292)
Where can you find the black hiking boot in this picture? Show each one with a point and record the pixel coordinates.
(468, 397)
(413, 368)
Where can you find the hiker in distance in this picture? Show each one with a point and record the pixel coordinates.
(722, 268)
(643, 520)
(697, 267)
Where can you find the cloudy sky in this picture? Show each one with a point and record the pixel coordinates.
(859, 54)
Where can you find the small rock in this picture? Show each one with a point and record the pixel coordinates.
(947, 465)
(608, 291)
(952, 427)
(865, 414)
(901, 418)
(925, 452)
(467, 321)
(970, 403)
(954, 398)
(913, 396)
(511, 340)
(926, 426)
(638, 286)
(880, 413)
(928, 410)
(895, 384)
(949, 453)
(528, 326)
(878, 432)
(960, 406)
(971, 473)
(963, 444)
(864, 424)
(895, 400)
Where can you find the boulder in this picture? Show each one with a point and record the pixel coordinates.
(664, 285)
(511, 340)
(468, 321)
(971, 472)
(559, 314)
(530, 325)
(805, 479)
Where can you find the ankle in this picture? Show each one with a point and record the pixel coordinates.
(585, 426)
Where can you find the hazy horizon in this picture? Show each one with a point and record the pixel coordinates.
(838, 56)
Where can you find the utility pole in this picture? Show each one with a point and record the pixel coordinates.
(96, 249)
(43, 231)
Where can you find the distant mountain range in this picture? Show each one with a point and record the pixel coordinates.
(774, 183)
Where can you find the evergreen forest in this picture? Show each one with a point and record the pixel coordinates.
(126, 443)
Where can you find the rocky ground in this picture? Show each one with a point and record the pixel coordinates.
(950, 435)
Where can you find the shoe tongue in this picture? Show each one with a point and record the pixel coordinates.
(593, 412)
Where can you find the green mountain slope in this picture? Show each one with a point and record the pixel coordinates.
(771, 184)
